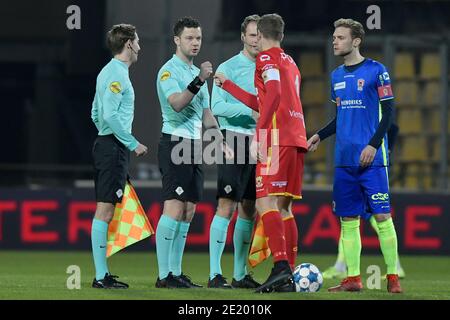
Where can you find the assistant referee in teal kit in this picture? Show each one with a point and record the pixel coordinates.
(112, 114)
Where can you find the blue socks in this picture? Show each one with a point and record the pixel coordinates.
(217, 238)
(99, 237)
(165, 236)
(179, 242)
(242, 240)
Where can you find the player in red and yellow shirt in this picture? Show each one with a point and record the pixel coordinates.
(279, 146)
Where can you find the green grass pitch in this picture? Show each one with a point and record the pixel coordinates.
(42, 275)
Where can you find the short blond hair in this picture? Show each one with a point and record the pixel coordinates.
(356, 28)
(253, 18)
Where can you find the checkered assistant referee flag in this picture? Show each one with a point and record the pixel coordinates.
(129, 224)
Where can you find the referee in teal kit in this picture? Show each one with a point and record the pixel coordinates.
(112, 114)
(184, 99)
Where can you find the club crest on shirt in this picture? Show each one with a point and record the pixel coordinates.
(259, 183)
(165, 75)
(115, 87)
(360, 84)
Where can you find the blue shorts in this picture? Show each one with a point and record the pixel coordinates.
(361, 191)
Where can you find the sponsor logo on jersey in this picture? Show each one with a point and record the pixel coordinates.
(339, 85)
(380, 196)
(351, 102)
(360, 84)
(264, 57)
(296, 114)
(115, 87)
(268, 67)
(165, 75)
(279, 184)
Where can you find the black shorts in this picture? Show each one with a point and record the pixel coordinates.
(236, 181)
(111, 160)
(182, 176)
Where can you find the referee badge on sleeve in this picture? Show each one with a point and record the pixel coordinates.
(165, 75)
(115, 87)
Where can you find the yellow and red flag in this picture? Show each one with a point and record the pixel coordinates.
(259, 250)
(129, 224)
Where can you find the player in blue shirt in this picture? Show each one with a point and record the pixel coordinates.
(362, 92)
(339, 269)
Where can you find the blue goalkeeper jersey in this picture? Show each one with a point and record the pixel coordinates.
(357, 92)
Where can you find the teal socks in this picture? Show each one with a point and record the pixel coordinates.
(99, 237)
(242, 240)
(165, 237)
(217, 239)
(178, 247)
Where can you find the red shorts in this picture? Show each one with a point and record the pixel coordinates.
(281, 174)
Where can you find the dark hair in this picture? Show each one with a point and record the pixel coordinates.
(185, 22)
(356, 28)
(271, 26)
(118, 36)
(247, 20)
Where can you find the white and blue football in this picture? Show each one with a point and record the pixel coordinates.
(307, 278)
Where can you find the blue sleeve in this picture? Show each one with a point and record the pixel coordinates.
(332, 94)
(387, 107)
(384, 83)
(112, 96)
(222, 106)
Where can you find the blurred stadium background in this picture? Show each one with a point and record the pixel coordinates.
(47, 81)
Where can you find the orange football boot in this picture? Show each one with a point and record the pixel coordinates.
(352, 284)
(393, 284)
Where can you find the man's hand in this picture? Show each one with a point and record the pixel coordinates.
(313, 143)
(219, 79)
(229, 153)
(141, 150)
(206, 70)
(367, 156)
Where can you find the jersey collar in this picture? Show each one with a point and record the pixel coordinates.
(353, 67)
(120, 63)
(244, 58)
(177, 60)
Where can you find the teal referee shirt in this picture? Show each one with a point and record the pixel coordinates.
(231, 113)
(174, 77)
(113, 106)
